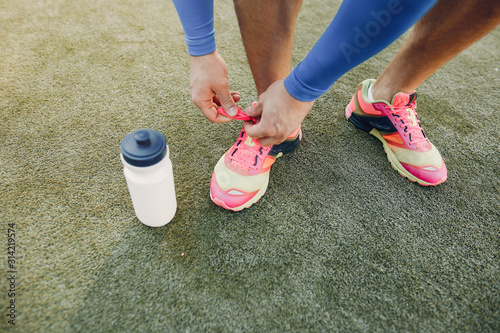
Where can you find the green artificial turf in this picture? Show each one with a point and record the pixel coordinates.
(340, 242)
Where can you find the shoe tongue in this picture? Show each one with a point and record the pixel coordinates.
(403, 99)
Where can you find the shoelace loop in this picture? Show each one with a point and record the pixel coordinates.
(239, 116)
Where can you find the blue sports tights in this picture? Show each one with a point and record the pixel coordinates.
(359, 30)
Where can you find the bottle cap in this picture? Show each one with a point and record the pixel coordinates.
(144, 147)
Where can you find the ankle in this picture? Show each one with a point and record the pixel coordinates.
(383, 92)
(380, 92)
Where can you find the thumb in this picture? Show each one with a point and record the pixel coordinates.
(255, 110)
(227, 102)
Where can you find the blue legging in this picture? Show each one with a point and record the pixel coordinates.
(361, 29)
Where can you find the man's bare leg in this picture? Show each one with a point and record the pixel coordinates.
(445, 31)
(267, 28)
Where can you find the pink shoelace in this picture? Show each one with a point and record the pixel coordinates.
(240, 116)
(407, 116)
(244, 156)
(248, 157)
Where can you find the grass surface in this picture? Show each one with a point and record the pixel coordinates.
(340, 242)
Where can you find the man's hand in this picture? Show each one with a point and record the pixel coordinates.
(280, 115)
(209, 87)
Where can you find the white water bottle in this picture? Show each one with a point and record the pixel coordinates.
(148, 171)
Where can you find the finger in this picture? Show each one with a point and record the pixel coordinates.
(265, 135)
(264, 141)
(268, 141)
(255, 110)
(227, 102)
(255, 131)
(216, 101)
(236, 97)
(213, 116)
(219, 118)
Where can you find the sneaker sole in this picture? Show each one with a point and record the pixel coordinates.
(395, 164)
(247, 204)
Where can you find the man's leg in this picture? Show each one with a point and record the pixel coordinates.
(445, 31)
(267, 28)
(241, 175)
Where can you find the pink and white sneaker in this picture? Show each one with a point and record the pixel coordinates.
(396, 125)
(241, 175)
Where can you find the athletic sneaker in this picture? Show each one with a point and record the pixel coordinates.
(397, 126)
(241, 176)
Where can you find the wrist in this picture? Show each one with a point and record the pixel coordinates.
(202, 56)
(201, 46)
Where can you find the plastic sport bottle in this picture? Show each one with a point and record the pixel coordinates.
(148, 171)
